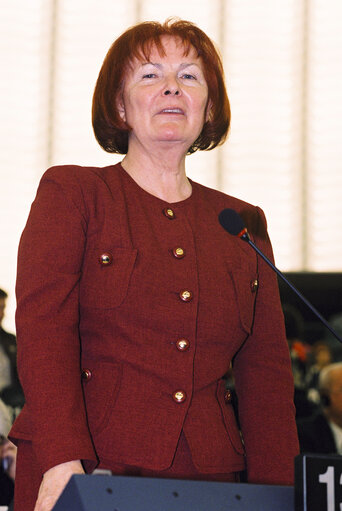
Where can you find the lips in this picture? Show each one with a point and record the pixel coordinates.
(171, 110)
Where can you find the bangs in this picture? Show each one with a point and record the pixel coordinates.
(143, 50)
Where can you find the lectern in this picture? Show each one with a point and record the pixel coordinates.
(121, 493)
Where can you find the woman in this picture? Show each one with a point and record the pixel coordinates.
(132, 299)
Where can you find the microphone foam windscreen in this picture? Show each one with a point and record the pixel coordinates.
(231, 221)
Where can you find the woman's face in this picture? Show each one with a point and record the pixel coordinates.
(165, 99)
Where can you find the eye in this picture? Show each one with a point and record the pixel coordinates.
(149, 75)
(188, 76)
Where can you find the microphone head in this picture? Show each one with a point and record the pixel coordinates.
(232, 222)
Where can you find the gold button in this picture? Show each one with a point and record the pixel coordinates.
(178, 252)
(228, 396)
(182, 344)
(106, 259)
(86, 374)
(185, 295)
(169, 213)
(179, 396)
(254, 285)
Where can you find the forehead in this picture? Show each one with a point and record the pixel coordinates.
(165, 48)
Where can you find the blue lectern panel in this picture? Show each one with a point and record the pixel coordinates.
(118, 493)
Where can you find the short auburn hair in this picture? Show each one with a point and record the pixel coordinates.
(110, 130)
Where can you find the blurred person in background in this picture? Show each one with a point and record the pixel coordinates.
(294, 327)
(320, 357)
(322, 432)
(133, 300)
(334, 345)
(8, 452)
(299, 351)
(10, 388)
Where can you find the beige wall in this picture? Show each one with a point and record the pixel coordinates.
(283, 62)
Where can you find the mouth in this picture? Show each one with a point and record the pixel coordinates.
(172, 111)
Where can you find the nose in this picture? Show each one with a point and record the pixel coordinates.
(171, 85)
(167, 92)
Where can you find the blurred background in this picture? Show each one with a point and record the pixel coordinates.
(283, 65)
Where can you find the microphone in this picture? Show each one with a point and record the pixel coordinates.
(232, 222)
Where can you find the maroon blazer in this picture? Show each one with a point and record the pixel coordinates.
(107, 336)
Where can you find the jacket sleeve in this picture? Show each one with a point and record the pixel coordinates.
(47, 318)
(264, 382)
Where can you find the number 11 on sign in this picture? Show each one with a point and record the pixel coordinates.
(328, 478)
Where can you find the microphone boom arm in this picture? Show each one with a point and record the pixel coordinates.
(245, 237)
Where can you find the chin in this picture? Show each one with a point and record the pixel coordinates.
(172, 134)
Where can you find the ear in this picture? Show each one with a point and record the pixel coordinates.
(208, 110)
(121, 108)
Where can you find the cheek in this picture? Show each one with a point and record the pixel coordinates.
(200, 104)
(136, 105)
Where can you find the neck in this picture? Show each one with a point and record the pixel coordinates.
(159, 172)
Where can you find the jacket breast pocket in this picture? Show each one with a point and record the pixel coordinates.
(246, 286)
(105, 277)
